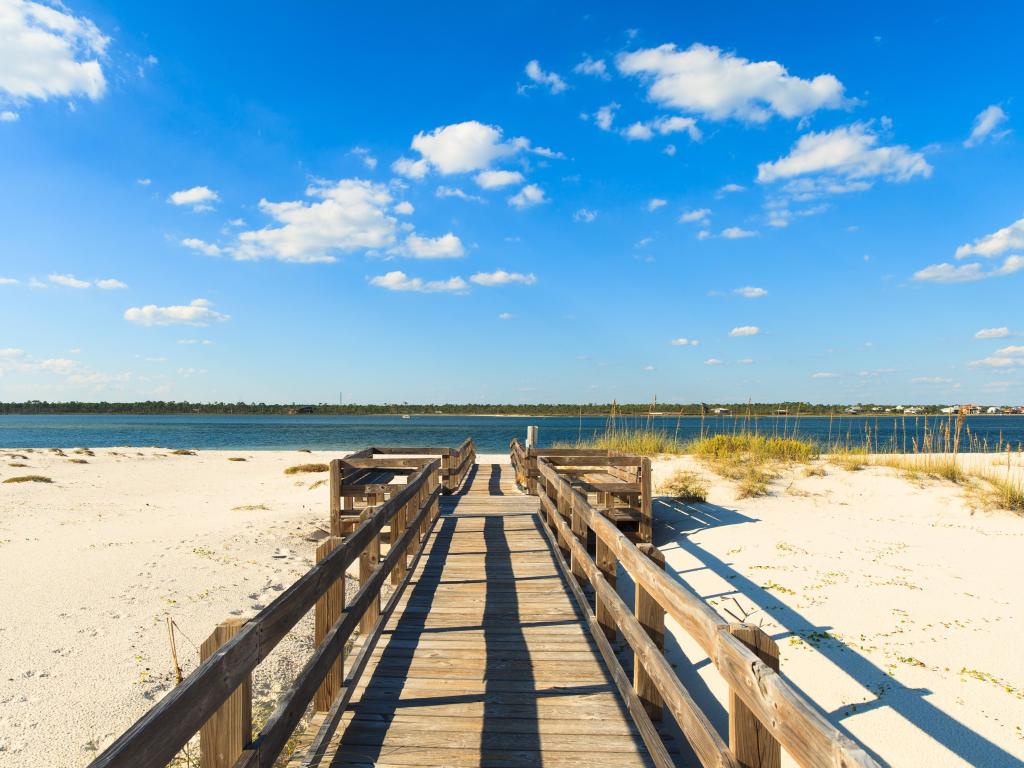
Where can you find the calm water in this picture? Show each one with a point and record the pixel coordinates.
(492, 434)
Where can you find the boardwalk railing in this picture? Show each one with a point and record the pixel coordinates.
(617, 484)
(765, 712)
(368, 477)
(213, 700)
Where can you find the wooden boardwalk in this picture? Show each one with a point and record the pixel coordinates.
(487, 659)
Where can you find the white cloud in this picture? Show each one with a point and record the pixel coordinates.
(967, 273)
(443, 191)
(36, 283)
(595, 67)
(985, 124)
(993, 333)
(750, 292)
(505, 316)
(712, 361)
(196, 313)
(824, 375)
(655, 203)
(68, 281)
(648, 367)
(197, 198)
(1006, 357)
(7, 116)
(728, 188)
(696, 215)
(585, 215)
(643, 241)
(704, 80)
(364, 154)
(554, 83)
(143, 182)
(930, 380)
(110, 284)
(996, 244)
(745, 330)
(682, 341)
(746, 361)
(399, 281)
(846, 159)
(463, 148)
(351, 214)
(205, 248)
(203, 342)
(501, 277)
(605, 116)
(670, 150)
(46, 52)
(8, 281)
(447, 246)
(498, 179)
(737, 233)
(404, 208)
(527, 197)
(663, 126)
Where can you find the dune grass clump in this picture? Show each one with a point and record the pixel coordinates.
(685, 486)
(942, 466)
(29, 479)
(78, 461)
(640, 442)
(299, 469)
(84, 452)
(849, 458)
(18, 464)
(182, 452)
(1006, 492)
(236, 458)
(815, 470)
(755, 447)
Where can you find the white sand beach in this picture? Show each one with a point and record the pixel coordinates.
(895, 603)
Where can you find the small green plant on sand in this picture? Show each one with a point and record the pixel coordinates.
(685, 486)
(182, 452)
(29, 479)
(236, 458)
(303, 468)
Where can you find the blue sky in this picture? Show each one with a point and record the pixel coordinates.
(546, 202)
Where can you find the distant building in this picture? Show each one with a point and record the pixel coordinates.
(969, 410)
(721, 411)
(950, 409)
(993, 409)
(912, 410)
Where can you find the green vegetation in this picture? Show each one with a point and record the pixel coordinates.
(28, 479)
(751, 446)
(303, 468)
(236, 458)
(641, 442)
(182, 452)
(685, 486)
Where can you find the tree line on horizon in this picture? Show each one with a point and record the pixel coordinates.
(161, 407)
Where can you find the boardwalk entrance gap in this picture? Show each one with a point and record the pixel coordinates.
(503, 640)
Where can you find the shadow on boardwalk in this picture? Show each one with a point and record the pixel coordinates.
(675, 521)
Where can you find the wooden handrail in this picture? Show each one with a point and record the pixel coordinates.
(789, 718)
(160, 733)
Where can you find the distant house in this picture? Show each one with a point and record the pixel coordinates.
(993, 409)
(721, 411)
(970, 410)
(912, 410)
(853, 409)
(297, 411)
(950, 409)
(782, 411)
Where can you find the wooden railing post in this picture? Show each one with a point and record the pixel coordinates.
(749, 740)
(369, 558)
(646, 518)
(335, 486)
(531, 471)
(604, 556)
(398, 525)
(561, 503)
(328, 609)
(229, 730)
(579, 531)
(651, 616)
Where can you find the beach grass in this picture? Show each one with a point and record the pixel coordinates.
(299, 469)
(29, 479)
(640, 442)
(182, 452)
(236, 458)
(685, 486)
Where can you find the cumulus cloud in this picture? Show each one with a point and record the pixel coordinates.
(663, 126)
(553, 82)
(197, 198)
(728, 189)
(682, 341)
(9, 116)
(47, 52)
(197, 313)
(750, 292)
(347, 215)
(205, 248)
(993, 333)
(498, 179)
(364, 154)
(501, 277)
(444, 191)
(505, 316)
(527, 197)
(719, 85)
(712, 361)
(462, 148)
(737, 233)
(1007, 357)
(584, 215)
(8, 281)
(447, 246)
(699, 215)
(968, 273)
(605, 116)
(986, 125)
(996, 244)
(68, 281)
(824, 375)
(745, 330)
(399, 281)
(405, 208)
(594, 67)
(110, 284)
(655, 203)
(846, 159)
